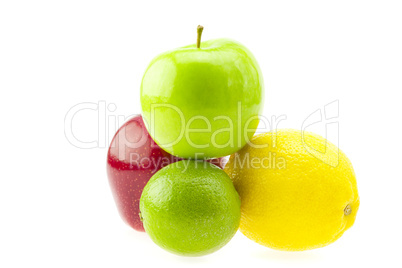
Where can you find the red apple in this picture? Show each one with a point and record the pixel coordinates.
(132, 159)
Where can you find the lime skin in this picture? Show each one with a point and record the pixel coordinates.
(190, 208)
(203, 102)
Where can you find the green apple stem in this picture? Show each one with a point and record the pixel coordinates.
(199, 33)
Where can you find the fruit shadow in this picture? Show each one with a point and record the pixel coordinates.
(291, 256)
(189, 260)
(142, 237)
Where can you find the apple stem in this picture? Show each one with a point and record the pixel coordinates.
(199, 33)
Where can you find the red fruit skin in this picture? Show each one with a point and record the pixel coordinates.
(132, 159)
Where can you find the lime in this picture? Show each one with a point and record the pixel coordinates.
(190, 208)
(298, 193)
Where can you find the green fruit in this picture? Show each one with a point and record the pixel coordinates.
(203, 102)
(190, 208)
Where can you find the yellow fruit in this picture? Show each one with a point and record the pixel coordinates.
(297, 193)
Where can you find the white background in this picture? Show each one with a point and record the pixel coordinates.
(56, 208)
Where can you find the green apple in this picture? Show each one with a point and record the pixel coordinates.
(203, 100)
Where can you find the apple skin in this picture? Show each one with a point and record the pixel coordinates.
(129, 175)
(182, 85)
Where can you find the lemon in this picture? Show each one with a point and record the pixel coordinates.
(298, 191)
(190, 208)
